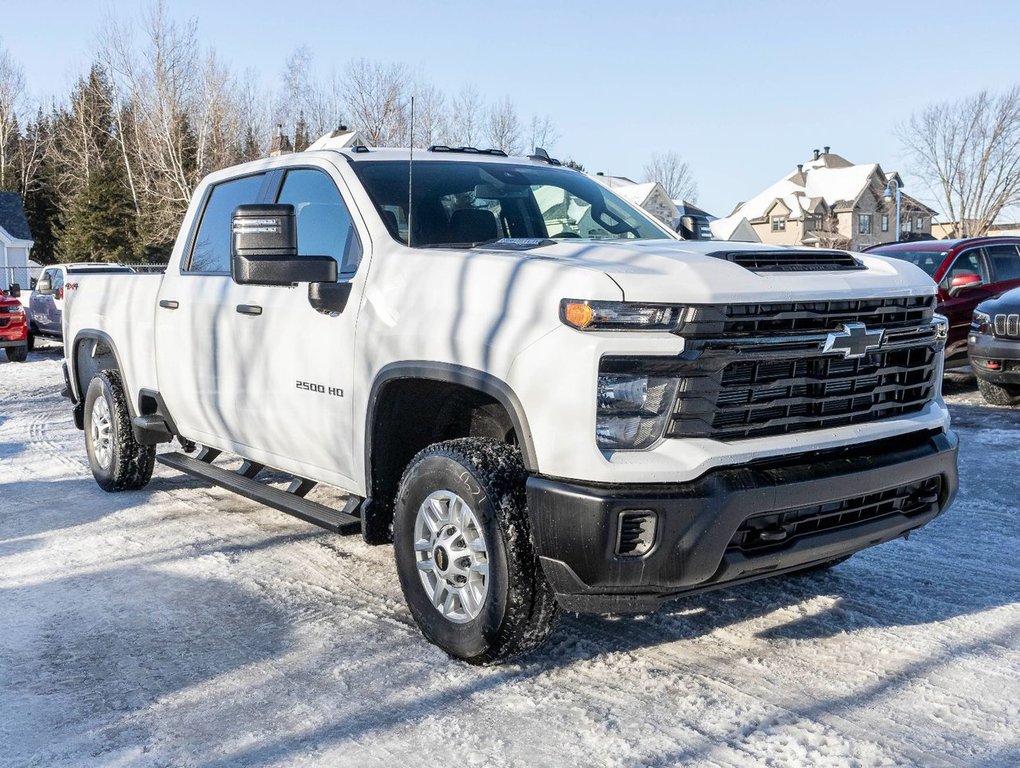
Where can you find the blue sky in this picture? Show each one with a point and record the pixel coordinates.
(743, 90)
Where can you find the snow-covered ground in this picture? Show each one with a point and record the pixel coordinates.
(181, 625)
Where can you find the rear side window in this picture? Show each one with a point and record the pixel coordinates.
(211, 252)
(324, 225)
(1005, 262)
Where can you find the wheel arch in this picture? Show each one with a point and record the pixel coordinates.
(85, 360)
(455, 401)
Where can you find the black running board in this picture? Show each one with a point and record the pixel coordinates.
(342, 522)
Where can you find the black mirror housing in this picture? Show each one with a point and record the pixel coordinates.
(277, 270)
(263, 230)
(15, 291)
(263, 249)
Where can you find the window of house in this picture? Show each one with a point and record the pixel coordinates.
(919, 223)
(211, 252)
(885, 222)
(864, 223)
(908, 224)
(324, 224)
(778, 223)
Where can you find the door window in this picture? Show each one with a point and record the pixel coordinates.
(1005, 262)
(211, 252)
(968, 263)
(324, 224)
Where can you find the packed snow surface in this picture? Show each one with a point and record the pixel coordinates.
(182, 625)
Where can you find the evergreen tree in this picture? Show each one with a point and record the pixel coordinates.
(98, 221)
(42, 202)
(99, 226)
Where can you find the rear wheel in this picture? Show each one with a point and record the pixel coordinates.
(999, 394)
(31, 341)
(17, 354)
(118, 461)
(464, 555)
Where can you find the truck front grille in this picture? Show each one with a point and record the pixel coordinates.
(791, 318)
(759, 398)
(774, 530)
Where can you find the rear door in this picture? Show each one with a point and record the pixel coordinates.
(1004, 260)
(197, 346)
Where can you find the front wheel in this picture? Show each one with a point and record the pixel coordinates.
(118, 461)
(464, 555)
(998, 394)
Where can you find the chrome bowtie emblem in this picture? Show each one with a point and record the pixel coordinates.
(854, 340)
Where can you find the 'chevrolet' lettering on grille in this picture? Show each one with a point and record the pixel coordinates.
(854, 340)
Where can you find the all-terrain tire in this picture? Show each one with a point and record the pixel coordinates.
(997, 394)
(519, 611)
(31, 341)
(126, 465)
(17, 354)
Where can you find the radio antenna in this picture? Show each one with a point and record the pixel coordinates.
(410, 181)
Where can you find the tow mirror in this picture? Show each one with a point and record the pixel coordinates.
(263, 249)
(15, 291)
(960, 283)
(44, 286)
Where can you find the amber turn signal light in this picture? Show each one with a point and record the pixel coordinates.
(578, 314)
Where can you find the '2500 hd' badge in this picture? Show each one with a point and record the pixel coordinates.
(322, 389)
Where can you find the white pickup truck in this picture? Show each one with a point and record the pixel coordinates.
(543, 398)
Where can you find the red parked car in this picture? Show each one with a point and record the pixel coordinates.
(13, 328)
(967, 271)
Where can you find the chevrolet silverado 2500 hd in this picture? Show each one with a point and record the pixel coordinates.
(543, 398)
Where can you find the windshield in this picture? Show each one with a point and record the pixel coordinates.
(462, 204)
(929, 261)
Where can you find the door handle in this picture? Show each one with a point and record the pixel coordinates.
(249, 309)
(168, 304)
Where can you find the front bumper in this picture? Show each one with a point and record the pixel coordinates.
(984, 348)
(576, 527)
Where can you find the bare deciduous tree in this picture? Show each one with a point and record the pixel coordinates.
(376, 95)
(968, 153)
(466, 117)
(503, 127)
(542, 133)
(12, 90)
(670, 170)
(431, 125)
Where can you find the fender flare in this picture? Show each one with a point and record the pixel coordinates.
(450, 373)
(92, 334)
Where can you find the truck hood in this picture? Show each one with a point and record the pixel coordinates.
(668, 270)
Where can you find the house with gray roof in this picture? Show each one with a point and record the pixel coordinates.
(15, 241)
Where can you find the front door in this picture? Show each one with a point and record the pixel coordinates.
(255, 370)
(298, 393)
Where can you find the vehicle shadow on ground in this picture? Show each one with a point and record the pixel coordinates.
(93, 658)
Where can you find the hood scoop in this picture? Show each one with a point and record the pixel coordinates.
(812, 260)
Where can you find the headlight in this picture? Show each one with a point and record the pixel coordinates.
(619, 315)
(632, 409)
(981, 323)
